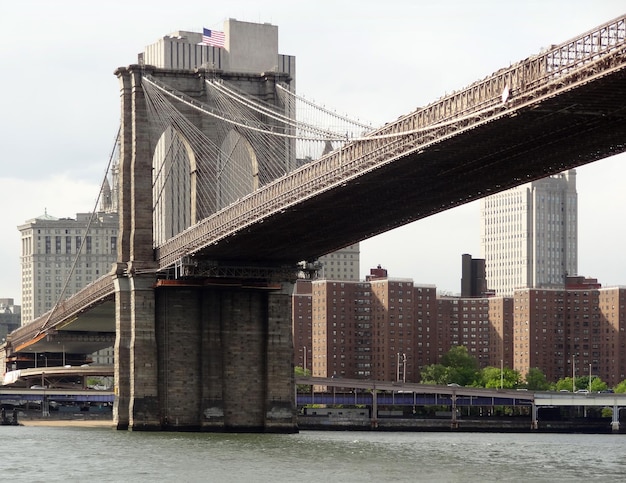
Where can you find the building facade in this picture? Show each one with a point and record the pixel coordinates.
(342, 264)
(571, 332)
(302, 317)
(381, 328)
(464, 322)
(501, 331)
(529, 235)
(60, 256)
(388, 328)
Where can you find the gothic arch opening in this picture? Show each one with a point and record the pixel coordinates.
(238, 169)
(173, 186)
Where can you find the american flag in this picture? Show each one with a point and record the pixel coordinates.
(212, 37)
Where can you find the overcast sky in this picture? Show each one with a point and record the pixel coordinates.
(371, 60)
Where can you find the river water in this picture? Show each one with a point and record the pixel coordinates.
(69, 454)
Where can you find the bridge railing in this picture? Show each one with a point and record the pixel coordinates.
(561, 65)
(525, 76)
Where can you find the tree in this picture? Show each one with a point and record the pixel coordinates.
(536, 380)
(564, 384)
(434, 374)
(493, 377)
(597, 384)
(458, 357)
(301, 372)
(621, 387)
(582, 382)
(456, 366)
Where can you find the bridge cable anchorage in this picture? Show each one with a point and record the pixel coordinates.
(231, 179)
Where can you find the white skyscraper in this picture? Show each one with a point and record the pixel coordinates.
(529, 234)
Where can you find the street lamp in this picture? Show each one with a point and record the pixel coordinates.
(501, 373)
(404, 367)
(573, 373)
(590, 378)
(398, 368)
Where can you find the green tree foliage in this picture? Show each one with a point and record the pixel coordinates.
(597, 384)
(536, 380)
(456, 367)
(582, 382)
(301, 372)
(94, 381)
(434, 374)
(564, 384)
(621, 387)
(492, 377)
(458, 357)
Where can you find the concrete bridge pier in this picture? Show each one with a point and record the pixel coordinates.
(143, 408)
(136, 404)
(122, 353)
(205, 357)
(615, 419)
(534, 423)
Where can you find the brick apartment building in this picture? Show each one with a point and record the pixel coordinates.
(574, 331)
(387, 328)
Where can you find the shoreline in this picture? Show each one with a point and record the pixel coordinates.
(78, 423)
(385, 426)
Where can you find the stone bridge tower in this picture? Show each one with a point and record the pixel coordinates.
(197, 353)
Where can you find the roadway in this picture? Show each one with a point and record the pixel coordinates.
(413, 393)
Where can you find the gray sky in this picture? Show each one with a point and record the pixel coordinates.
(371, 60)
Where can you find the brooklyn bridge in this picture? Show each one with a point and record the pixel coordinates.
(231, 186)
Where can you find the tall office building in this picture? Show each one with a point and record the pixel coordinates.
(60, 257)
(529, 235)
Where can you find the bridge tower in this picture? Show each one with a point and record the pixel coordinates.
(198, 352)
